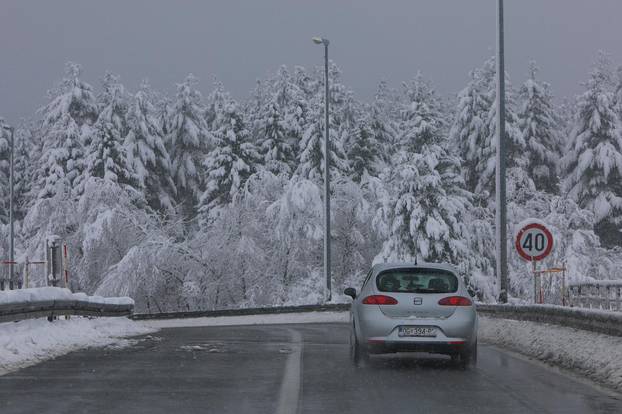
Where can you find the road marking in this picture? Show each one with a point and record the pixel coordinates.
(289, 394)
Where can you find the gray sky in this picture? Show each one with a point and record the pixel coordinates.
(239, 41)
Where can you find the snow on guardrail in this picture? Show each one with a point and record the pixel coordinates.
(51, 301)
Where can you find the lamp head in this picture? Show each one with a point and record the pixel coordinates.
(320, 41)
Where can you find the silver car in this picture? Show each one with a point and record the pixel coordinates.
(413, 307)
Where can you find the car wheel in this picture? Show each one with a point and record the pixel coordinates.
(467, 358)
(358, 355)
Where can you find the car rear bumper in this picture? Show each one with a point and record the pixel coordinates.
(380, 332)
(437, 347)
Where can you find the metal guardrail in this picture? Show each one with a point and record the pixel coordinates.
(49, 308)
(333, 307)
(609, 323)
(600, 294)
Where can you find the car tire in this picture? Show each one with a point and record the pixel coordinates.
(358, 355)
(467, 358)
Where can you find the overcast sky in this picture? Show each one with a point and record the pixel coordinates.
(239, 41)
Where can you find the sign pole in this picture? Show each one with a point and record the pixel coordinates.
(535, 280)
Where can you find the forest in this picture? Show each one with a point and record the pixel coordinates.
(198, 201)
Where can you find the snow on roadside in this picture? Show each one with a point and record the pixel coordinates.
(29, 342)
(279, 318)
(597, 356)
(55, 293)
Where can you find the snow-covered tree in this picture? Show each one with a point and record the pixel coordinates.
(311, 155)
(427, 214)
(5, 143)
(217, 101)
(469, 131)
(146, 151)
(592, 165)
(422, 119)
(383, 120)
(274, 142)
(618, 93)
(106, 157)
(364, 152)
(188, 142)
(23, 170)
(229, 164)
(66, 120)
(475, 130)
(539, 128)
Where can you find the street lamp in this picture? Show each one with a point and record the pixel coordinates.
(12, 236)
(327, 273)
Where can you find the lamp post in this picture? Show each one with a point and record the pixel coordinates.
(327, 267)
(12, 235)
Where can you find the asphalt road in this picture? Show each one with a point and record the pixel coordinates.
(287, 369)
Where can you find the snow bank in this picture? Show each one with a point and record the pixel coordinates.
(597, 356)
(54, 293)
(28, 342)
(279, 318)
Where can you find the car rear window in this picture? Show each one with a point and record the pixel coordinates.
(417, 281)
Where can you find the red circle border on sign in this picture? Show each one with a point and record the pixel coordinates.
(546, 232)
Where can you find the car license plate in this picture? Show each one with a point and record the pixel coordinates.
(417, 331)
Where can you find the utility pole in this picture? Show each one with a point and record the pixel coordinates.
(11, 207)
(501, 207)
(327, 265)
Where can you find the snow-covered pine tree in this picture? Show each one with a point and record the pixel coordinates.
(217, 100)
(311, 150)
(475, 129)
(274, 143)
(146, 151)
(254, 108)
(311, 155)
(23, 171)
(189, 140)
(229, 164)
(515, 144)
(66, 119)
(5, 143)
(592, 165)
(427, 218)
(293, 107)
(539, 129)
(469, 130)
(364, 151)
(422, 120)
(310, 86)
(106, 157)
(618, 93)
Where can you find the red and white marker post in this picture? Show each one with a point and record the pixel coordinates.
(534, 242)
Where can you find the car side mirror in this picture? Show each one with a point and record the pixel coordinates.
(350, 292)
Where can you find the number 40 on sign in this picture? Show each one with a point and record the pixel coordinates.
(534, 242)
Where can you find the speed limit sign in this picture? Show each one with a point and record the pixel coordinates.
(534, 242)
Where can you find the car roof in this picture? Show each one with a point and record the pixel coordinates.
(381, 267)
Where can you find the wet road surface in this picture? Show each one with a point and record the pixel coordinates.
(287, 369)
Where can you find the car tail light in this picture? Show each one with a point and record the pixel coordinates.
(455, 301)
(379, 300)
